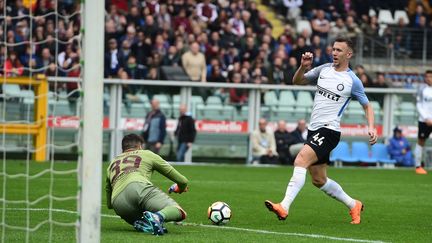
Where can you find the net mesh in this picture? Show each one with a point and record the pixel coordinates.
(39, 37)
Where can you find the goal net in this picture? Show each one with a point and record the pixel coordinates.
(41, 60)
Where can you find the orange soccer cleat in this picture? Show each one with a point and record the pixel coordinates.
(355, 212)
(420, 171)
(277, 208)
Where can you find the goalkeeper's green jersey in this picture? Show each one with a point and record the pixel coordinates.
(138, 166)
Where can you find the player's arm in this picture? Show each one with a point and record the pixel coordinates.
(358, 92)
(108, 189)
(306, 62)
(371, 121)
(164, 168)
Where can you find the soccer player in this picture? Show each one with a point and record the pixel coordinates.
(424, 108)
(336, 85)
(132, 195)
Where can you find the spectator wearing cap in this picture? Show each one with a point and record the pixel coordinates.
(400, 149)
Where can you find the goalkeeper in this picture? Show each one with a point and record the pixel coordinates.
(131, 194)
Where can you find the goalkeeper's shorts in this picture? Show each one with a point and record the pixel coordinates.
(138, 197)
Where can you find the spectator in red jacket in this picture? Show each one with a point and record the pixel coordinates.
(13, 66)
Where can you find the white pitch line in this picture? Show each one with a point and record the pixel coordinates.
(222, 227)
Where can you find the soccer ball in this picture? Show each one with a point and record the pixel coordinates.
(219, 213)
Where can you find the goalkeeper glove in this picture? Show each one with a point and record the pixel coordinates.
(176, 189)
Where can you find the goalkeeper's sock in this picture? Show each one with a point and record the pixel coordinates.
(170, 213)
(418, 152)
(334, 190)
(294, 186)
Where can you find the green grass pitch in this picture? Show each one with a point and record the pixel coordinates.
(398, 206)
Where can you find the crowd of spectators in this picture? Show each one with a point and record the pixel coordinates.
(213, 41)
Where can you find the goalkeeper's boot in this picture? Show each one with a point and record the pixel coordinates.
(420, 171)
(277, 208)
(355, 212)
(155, 221)
(142, 225)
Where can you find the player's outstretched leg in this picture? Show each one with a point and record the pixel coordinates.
(295, 184)
(418, 152)
(334, 190)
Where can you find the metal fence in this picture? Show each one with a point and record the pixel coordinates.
(407, 49)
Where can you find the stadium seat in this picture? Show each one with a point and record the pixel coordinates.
(61, 107)
(167, 109)
(176, 99)
(301, 112)
(401, 14)
(216, 112)
(28, 96)
(360, 152)
(135, 110)
(270, 98)
(380, 152)
(175, 110)
(304, 99)
(354, 112)
(214, 100)
(197, 100)
(406, 114)
(143, 98)
(11, 90)
(265, 112)
(282, 113)
(341, 153)
(385, 17)
(377, 110)
(176, 105)
(162, 98)
(242, 114)
(286, 98)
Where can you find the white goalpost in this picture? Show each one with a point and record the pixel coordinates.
(91, 163)
(31, 195)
